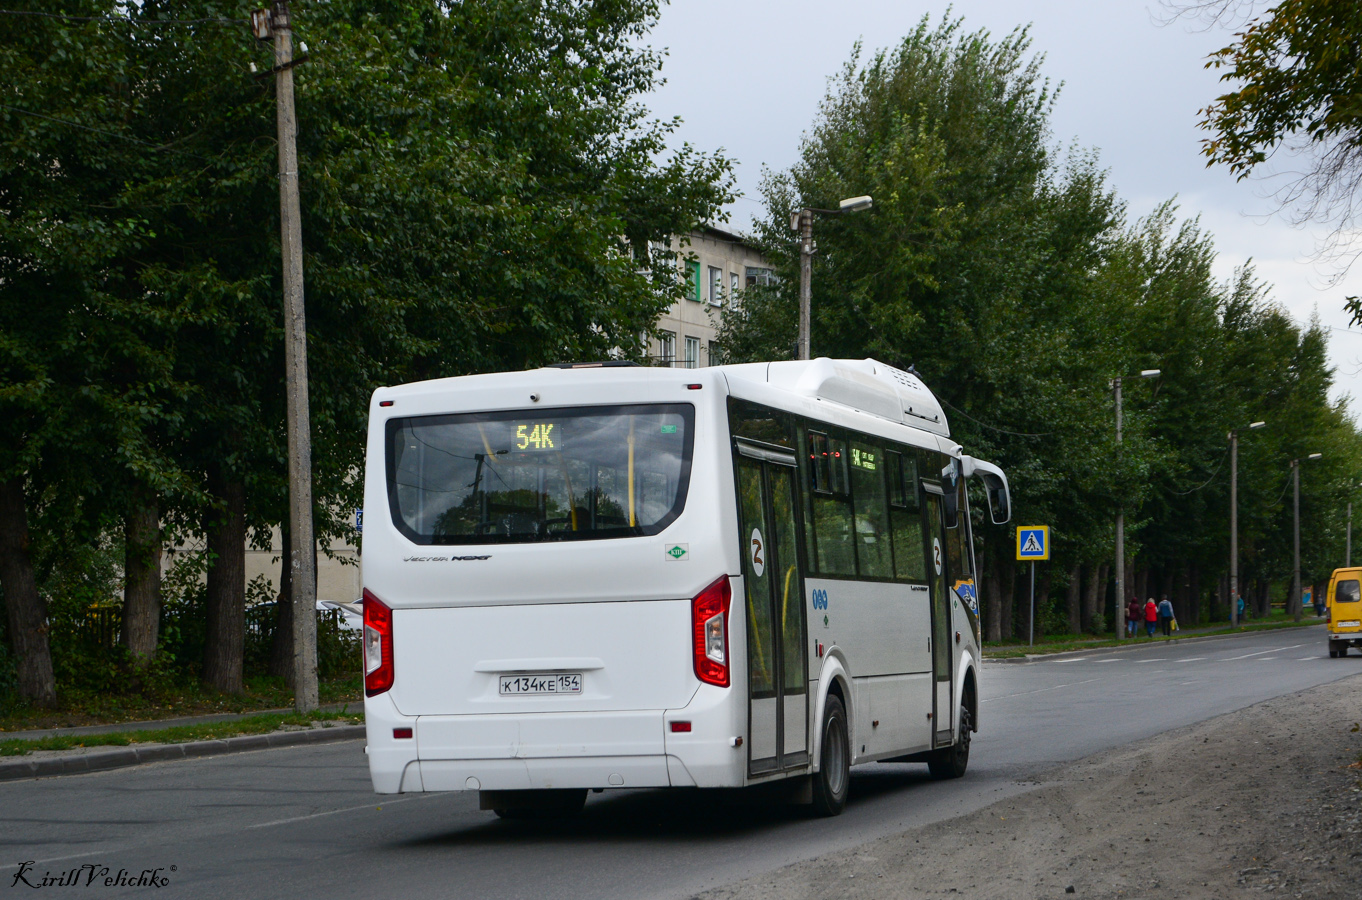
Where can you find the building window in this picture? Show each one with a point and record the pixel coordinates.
(716, 286)
(666, 349)
(715, 355)
(693, 279)
(734, 283)
(692, 353)
(757, 275)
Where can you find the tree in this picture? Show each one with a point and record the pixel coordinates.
(482, 190)
(1297, 71)
(1013, 283)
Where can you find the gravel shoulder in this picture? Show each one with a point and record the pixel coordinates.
(1265, 800)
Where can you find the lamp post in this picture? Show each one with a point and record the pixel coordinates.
(802, 222)
(1121, 517)
(1234, 522)
(1296, 535)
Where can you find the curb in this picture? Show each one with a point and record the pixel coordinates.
(1131, 645)
(135, 756)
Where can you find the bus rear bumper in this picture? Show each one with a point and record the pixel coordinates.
(545, 773)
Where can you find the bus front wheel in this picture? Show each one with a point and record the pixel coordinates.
(951, 762)
(833, 781)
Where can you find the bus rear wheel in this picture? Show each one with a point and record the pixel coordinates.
(951, 762)
(833, 781)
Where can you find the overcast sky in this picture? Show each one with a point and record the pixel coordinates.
(747, 76)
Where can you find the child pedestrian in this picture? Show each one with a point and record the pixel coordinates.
(1151, 616)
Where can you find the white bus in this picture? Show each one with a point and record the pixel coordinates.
(604, 576)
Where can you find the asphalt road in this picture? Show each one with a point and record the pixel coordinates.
(303, 821)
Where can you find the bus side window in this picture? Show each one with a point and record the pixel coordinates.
(872, 511)
(832, 520)
(806, 469)
(905, 519)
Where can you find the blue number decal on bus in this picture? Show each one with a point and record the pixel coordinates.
(820, 599)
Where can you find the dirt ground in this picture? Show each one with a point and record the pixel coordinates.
(1266, 800)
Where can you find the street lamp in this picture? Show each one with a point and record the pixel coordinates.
(1234, 522)
(1121, 516)
(1296, 535)
(802, 222)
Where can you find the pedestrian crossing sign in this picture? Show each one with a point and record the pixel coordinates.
(1033, 542)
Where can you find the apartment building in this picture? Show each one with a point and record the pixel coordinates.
(724, 264)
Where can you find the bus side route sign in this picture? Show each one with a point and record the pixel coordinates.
(1033, 542)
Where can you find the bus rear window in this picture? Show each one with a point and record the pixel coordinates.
(539, 475)
(1348, 591)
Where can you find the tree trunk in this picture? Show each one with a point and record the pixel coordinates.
(1169, 583)
(1142, 584)
(25, 607)
(1108, 614)
(281, 648)
(224, 646)
(1041, 611)
(1193, 594)
(992, 606)
(142, 576)
(1009, 568)
(1073, 602)
(1090, 604)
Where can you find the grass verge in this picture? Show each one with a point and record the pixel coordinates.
(1067, 643)
(191, 699)
(262, 724)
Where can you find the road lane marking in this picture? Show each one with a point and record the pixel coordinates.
(1041, 690)
(1191, 659)
(1063, 661)
(1259, 653)
(333, 812)
(1108, 660)
(1154, 659)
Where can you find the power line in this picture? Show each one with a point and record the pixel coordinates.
(118, 20)
(993, 427)
(1207, 481)
(68, 122)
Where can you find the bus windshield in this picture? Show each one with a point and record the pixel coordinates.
(536, 475)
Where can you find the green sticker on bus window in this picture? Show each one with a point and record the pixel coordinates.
(669, 429)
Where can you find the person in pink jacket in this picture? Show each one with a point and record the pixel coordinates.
(1151, 616)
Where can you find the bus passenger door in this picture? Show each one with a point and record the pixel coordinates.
(778, 716)
(943, 707)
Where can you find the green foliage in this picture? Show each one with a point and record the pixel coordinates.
(481, 190)
(1011, 278)
(1297, 87)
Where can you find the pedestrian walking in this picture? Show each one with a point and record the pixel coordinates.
(1165, 611)
(1134, 615)
(1151, 616)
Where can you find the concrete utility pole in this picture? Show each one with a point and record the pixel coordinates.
(1120, 532)
(1348, 555)
(805, 226)
(275, 22)
(802, 222)
(1121, 517)
(1296, 610)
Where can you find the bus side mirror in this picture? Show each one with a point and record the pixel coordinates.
(999, 496)
(999, 504)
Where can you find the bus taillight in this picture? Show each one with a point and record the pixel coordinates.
(709, 623)
(378, 645)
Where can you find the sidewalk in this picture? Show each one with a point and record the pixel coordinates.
(1203, 632)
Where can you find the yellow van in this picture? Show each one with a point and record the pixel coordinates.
(1343, 615)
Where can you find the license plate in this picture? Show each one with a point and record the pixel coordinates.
(1349, 624)
(559, 683)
